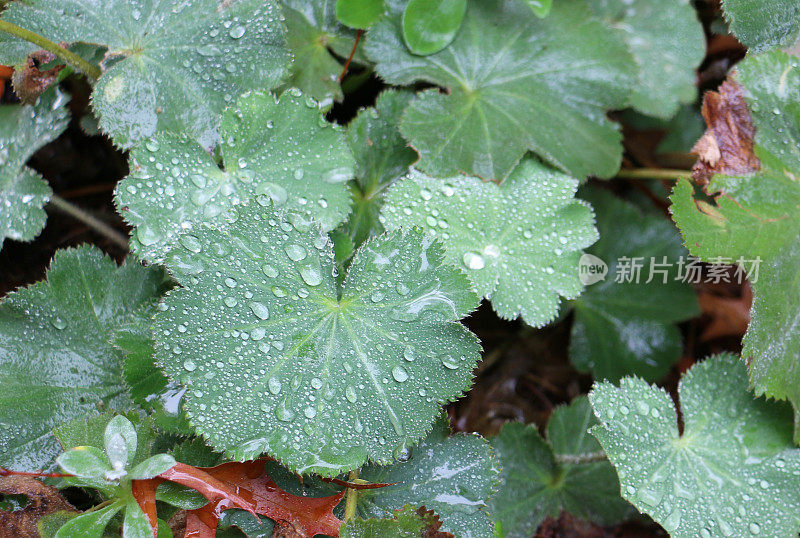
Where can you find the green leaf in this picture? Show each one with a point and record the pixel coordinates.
(23, 193)
(535, 485)
(84, 462)
(515, 83)
(153, 466)
(181, 496)
(382, 156)
(246, 523)
(279, 148)
(540, 8)
(135, 524)
(629, 327)
(519, 242)
(758, 216)
(169, 67)
(454, 476)
(763, 24)
(359, 13)
(431, 25)
(313, 34)
(56, 357)
(733, 471)
(91, 432)
(90, 524)
(197, 453)
(278, 362)
(407, 523)
(120, 440)
(668, 43)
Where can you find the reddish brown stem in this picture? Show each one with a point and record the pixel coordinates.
(350, 58)
(35, 474)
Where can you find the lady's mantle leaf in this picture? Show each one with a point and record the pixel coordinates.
(57, 361)
(313, 34)
(407, 523)
(277, 361)
(455, 476)
(382, 156)
(519, 242)
(734, 470)
(534, 485)
(628, 327)
(170, 66)
(282, 148)
(515, 83)
(23, 193)
(668, 43)
(763, 24)
(758, 217)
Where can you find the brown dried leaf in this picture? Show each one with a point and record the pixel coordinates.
(729, 315)
(29, 81)
(42, 500)
(727, 145)
(434, 524)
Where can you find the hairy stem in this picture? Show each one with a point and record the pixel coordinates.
(578, 459)
(91, 71)
(351, 498)
(95, 224)
(654, 173)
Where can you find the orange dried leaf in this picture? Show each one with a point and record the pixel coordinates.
(42, 500)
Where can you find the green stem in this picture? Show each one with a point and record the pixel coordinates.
(100, 227)
(578, 459)
(351, 498)
(654, 173)
(91, 71)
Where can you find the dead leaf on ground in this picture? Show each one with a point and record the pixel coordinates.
(729, 315)
(244, 485)
(727, 145)
(42, 500)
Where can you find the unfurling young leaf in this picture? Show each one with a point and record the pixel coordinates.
(431, 25)
(519, 242)
(535, 485)
(514, 83)
(312, 33)
(280, 148)
(277, 360)
(756, 222)
(359, 13)
(23, 193)
(452, 475)
(626, 324)
(382, 157)
(763, 24)
(169, 66)
(57, 360)
(732, 472)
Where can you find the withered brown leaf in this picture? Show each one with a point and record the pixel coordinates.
(42, 500)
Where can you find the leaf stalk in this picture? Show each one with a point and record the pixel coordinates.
(88, 69)
(97, 225)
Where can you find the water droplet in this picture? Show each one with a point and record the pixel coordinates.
(310, 412)
(270, 271)
(473, 261)
(260, 310)
(755, 528)
(295, 252)
(399, 374)
(59, 323)
(236, 31)
(350, 394)
(191, 243)
(274, 385)
(311, 275)
(189, 365)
